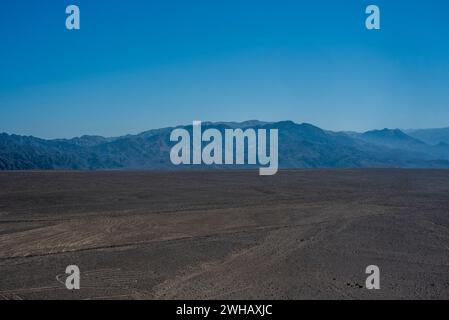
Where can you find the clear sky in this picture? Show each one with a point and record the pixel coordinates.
(137, 65)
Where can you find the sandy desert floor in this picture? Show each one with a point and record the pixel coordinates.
(302, 234)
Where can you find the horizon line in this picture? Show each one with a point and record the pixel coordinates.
(404, 130)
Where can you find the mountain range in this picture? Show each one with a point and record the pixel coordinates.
(300, 146)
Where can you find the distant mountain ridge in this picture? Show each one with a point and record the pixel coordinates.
(300, 146)
(431, 136)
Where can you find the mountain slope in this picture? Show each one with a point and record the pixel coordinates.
(300, 146)
(392, 138)
(431, 136)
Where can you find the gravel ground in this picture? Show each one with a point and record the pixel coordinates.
(301, 234)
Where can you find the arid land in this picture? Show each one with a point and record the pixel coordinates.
(301, 234)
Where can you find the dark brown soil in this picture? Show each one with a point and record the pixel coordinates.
(225, 234)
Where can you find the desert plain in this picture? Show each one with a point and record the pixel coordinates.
(301, 234)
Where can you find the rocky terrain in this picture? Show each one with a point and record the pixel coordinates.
(300, 146)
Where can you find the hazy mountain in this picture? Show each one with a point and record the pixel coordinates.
(431, 136)
(87, 141)
(392, 139)
(300, 146)
(398, 140)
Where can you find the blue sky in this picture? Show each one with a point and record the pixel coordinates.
(137, 65)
